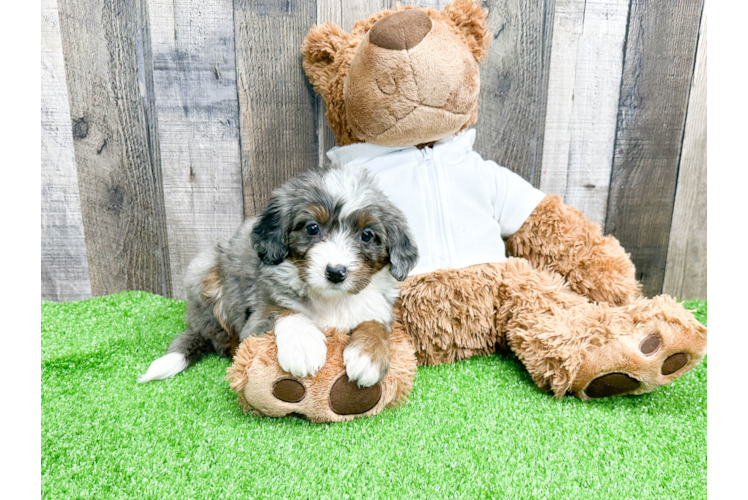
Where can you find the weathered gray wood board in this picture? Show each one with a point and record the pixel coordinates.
(658, 65)
(276, 104)
(514, 80)
(64, 264)
(194, 75)
(583, 91)
(118, 170)
(686, 270)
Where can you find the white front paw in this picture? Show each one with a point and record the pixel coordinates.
(360, 367)
(301, 346)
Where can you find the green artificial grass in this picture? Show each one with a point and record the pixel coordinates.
(474, 429)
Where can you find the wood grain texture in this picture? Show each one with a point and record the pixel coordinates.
(194, 75)
(657, 70)
(583, 93)
(686, 268)
(118, 165)
(63, 247)
(514, 81)
(277, 106)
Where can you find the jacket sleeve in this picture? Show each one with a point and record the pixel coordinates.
(514, 199)
(560, 238)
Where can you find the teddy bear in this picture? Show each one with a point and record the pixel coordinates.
(502, 265)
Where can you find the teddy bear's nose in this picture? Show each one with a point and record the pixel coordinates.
(400, 31)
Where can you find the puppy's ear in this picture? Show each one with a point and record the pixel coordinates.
(470, 19)
(320, 46)
(402, 250)
(269, 237)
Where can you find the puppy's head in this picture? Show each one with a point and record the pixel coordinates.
(338, 229)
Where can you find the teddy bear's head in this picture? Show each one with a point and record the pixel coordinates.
(404, 76)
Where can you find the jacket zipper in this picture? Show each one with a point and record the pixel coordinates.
(439, 229)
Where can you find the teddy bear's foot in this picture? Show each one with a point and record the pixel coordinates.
(666, 343)
(328, 396)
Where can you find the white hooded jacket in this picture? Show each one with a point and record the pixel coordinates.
(459, 206)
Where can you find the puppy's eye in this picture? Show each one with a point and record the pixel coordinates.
(367, 235)
(312, 229)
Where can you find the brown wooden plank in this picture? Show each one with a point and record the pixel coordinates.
(686, 269)
(583, 92)
(106, 62)
(198, 125)
(277, 106)
(63, 247)
(658, 65)
(514, 81)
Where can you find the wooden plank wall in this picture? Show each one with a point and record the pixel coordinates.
(165, 123)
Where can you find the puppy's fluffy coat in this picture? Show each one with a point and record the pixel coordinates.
(326, 252)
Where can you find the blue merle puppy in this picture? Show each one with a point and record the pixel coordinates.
(327, 252)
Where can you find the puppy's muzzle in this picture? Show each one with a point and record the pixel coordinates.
(336, 274)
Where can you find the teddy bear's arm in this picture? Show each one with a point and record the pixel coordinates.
(560, 238)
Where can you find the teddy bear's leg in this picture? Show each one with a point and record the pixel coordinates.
(451, 314)
(570, 345)
(560, 238)
(454, 314)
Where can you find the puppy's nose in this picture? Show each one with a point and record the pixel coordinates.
(400, 31)
(336, 274)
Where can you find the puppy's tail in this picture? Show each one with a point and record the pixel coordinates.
(184, 351)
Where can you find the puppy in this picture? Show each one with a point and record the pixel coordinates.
(327, 252)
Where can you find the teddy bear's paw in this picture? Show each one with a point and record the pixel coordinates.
(666, 343)
(265, 388)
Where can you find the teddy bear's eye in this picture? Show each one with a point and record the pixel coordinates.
(386, 84)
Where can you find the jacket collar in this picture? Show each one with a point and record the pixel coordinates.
(362, 152)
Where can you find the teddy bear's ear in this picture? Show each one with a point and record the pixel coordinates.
(319, 48)
(470, 19)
